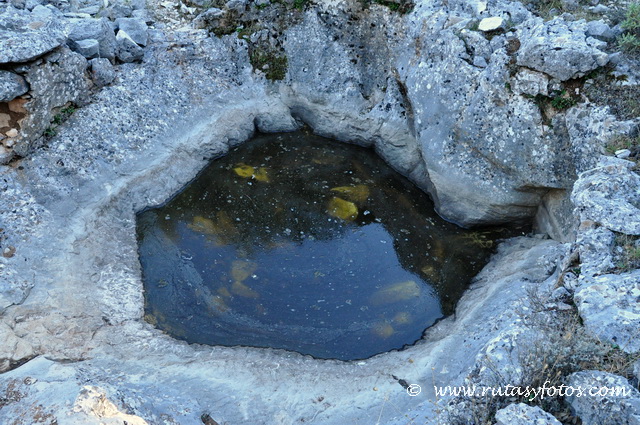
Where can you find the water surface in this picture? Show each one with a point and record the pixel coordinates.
(297, 242)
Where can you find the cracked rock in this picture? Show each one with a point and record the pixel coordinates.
(560, 49)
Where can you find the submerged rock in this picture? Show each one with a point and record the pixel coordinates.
(401, 291)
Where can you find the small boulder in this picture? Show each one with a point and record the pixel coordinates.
(128, 50)
(530, 83)
(102, 72)
(94, 29)
(600, 30)
(11, 86)
(491, 24)
(88, 48)
(135, 28)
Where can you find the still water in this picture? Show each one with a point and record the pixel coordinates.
(297, 242)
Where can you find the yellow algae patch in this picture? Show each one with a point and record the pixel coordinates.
(151, 319)
(247, 171)
(243, 170)
(358, 193)
(262, 175)
(383, 330)
(243, 290)
(203, 225)
(224, 292)
(340, 208)
(431, 273)
(241, 270)
(400, 291)
(402, 318)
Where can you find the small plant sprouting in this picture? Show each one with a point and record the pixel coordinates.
(562, 101)
(630, 41)
(58, 119)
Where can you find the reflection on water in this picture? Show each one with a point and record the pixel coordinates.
(296, 242)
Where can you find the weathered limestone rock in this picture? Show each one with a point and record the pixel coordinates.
(102, 72)
(609, 307)
(25, 37)
(89, 48)
(610, 196)
(598, 404)
(522, 414)
(135, 28)
(11, 86)
(128, 50)
(94, 29)
(531, 83)
(60, 79)
(491, 24)
(600, 30)
(558, 48)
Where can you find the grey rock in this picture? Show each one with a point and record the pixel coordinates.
(142, 15)
(128, 50)
(599, 404)
(96, 29)
(208, 18)
(560, 49)
(623, 153)
(600, 9)
(262, 2)
(57, 81)
(594, 245)
(102, 72)
(491, 24)
(88, 48)
(600, 30)
(25, 37)
(531, 83)
(610, 196)
(138, 4)
(609, 308)
(91, 10)
(42, 12)
(11, 86)
(135, 28)
(522, 414)
(480, 62)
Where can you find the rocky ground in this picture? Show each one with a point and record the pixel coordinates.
(502, 111)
